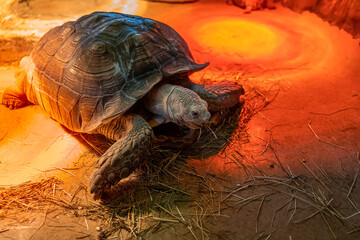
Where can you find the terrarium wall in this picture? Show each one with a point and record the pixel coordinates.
(343, 13)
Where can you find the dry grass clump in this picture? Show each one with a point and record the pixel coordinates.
(30, 195)
(319, 198)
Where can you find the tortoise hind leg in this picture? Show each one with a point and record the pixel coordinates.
(133, 137)
(13, 97)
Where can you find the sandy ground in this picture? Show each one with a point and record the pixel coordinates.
(305, 71)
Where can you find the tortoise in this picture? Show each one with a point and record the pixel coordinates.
(118, 75)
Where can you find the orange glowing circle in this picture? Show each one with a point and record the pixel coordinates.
(231, 37)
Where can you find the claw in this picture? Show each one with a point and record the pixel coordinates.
(124, 172)
(111, 177)
(95, 181)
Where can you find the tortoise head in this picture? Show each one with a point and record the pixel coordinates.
(185, 107)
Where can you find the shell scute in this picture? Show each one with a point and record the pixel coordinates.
(41, 59)
(68, 107)
(54, 72)
(88, 106)
(96, 57)
(51, 33)
(91, 21)
(53, 43)
(67, 49)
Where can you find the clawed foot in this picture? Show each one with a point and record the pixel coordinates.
(112, 169)
(13, 99)
(120, 160)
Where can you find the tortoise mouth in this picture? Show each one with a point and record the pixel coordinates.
(171, 129)
(194, 125)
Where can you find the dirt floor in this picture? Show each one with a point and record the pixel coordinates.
(286, 168)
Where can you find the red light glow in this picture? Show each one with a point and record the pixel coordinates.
(225, 38)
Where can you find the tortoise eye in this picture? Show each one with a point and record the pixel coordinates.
(195, 114)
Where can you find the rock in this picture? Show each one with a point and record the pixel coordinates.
(342, 13)
(251, 5)
(173, 1)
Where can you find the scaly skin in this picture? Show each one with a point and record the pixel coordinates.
(133, 137)
(13, 96)
(219, 96)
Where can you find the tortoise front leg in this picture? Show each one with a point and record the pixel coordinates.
(219, 96)
(133, 137)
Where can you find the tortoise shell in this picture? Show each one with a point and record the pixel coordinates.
(86, 72)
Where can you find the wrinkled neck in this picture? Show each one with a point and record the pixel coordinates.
(158, 101)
